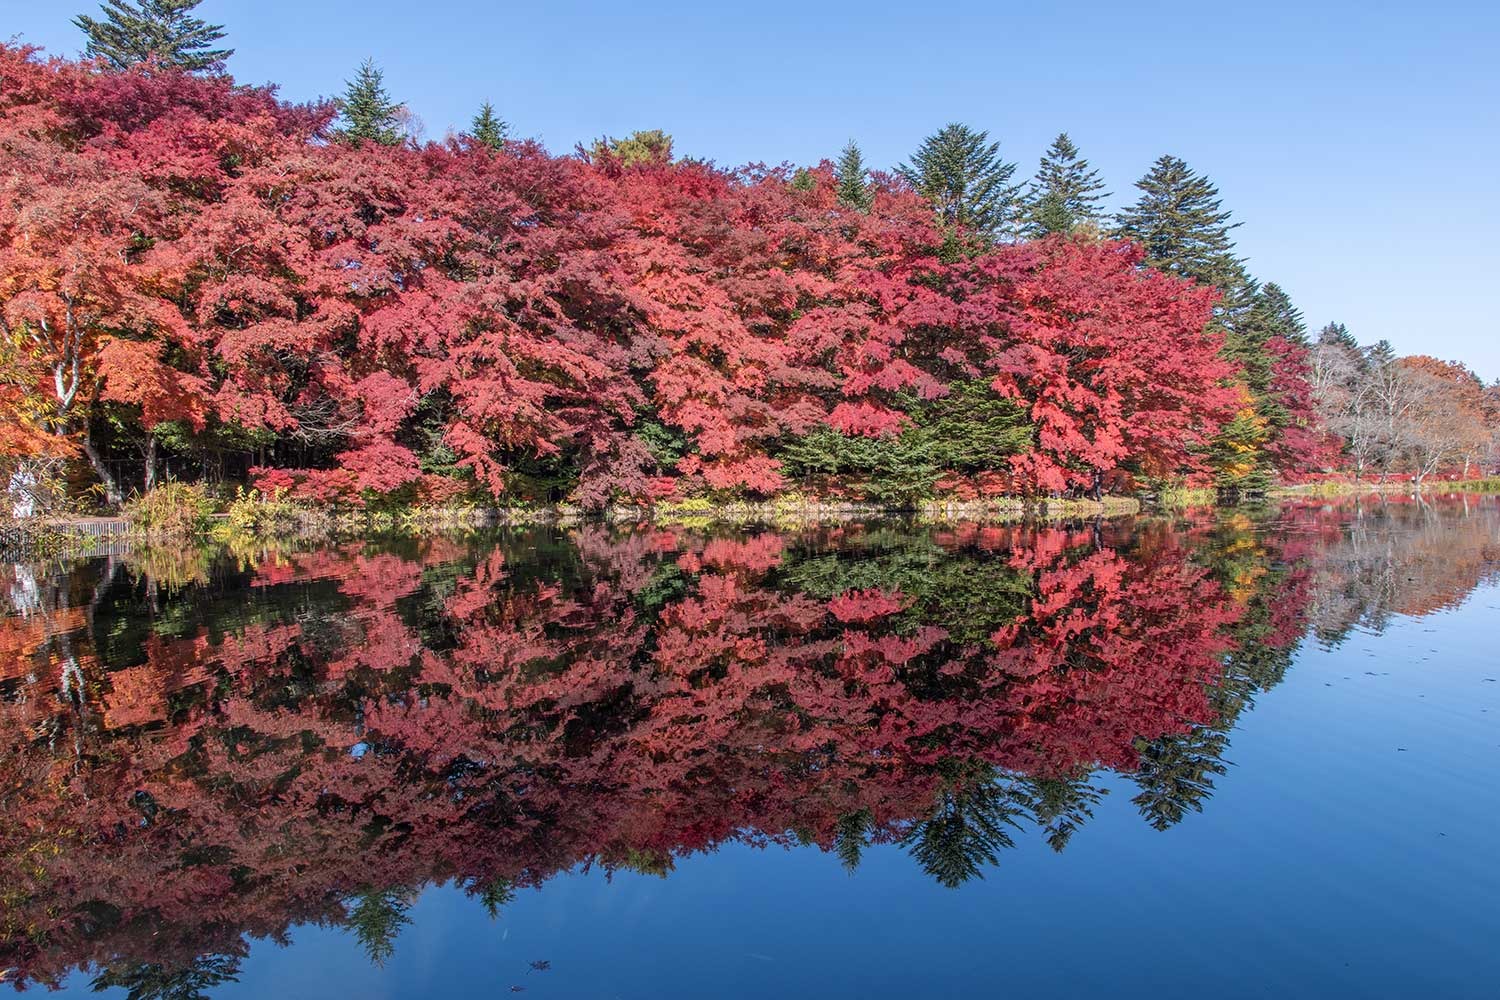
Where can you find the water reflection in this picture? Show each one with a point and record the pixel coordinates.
(203, 748)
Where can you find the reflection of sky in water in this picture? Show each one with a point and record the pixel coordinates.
(1349, 852)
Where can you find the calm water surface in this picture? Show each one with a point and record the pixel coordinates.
(1241, 754)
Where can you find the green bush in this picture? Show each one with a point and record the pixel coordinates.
(172, 510)
(254, 515)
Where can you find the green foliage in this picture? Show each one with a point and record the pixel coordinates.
(1258, 314)
(851, 835)
(969, 430)
(488, 128)
(367, 111)
(1179, 222)
(667, 445)
(153, 30)
(376, 919)
(967, 831)
(252, 515)
(198, 980)
(851, 181)
(1177, 774)
(1237, 455)
(1061, 805)
(639, 147)
(1276, 316)
(496, 894)
(1066, 192)
(973, 428)
(968, 592)
(969, 185)
(172, 510)
(894, 471)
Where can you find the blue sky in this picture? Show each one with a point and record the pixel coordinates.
(1357, 142)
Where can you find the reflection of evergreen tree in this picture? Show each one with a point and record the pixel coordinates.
(145, 981)
(495, 894)
(967, 831)
(1061, 805)
(377, 918)
(969, 593)
(851, 836)
(1176, 774)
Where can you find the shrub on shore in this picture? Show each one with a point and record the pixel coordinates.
(172, 510)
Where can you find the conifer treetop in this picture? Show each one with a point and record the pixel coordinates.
(1180, 223)
(968, 183)
(1065, 194)
(488, 128)
(850, 177)
(368, 113)
(163, 32)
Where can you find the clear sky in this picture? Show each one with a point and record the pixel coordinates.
(1356, 141)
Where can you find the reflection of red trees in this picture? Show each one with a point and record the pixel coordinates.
(384, 720)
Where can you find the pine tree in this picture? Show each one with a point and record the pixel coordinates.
(1181, 225)
(368, 112)
(962, 174)
(1274, 313)
(1262, 312)
(1065, 193)
(1338, 333)
(849, 176)
(153, 30)
(488, 128)
(639, 147)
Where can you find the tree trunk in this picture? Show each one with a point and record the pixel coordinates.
(150, 461)
(111, 488)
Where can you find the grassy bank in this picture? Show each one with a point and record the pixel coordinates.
(180, 513)
(1333, 490)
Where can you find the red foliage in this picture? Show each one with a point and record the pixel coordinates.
(189, 247)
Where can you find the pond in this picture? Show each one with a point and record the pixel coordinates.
(1225, 753)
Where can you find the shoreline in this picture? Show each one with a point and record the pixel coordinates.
(80, 535)
(53, 536)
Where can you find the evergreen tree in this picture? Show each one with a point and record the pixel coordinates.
(849, 175)
(488, 128)
(132, 33)
(1180, 224)
(1338, 333)
(962, 174)
(641, 146)
(1274, 313)
(1269, 314)
(367, 110)
(1066, 192)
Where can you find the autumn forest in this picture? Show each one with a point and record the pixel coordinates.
(202, 282)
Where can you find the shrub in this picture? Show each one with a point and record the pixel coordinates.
(257, 515)
(172, 510)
